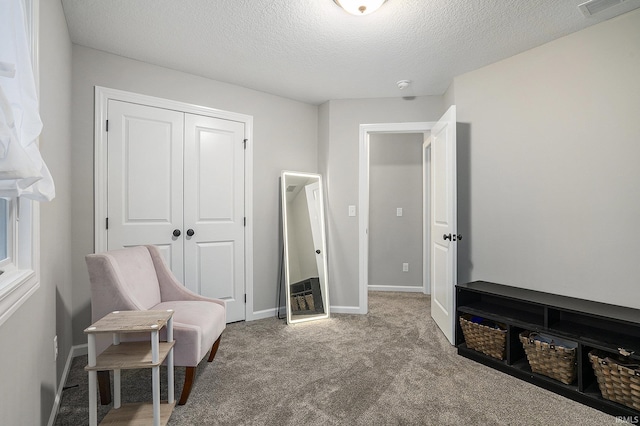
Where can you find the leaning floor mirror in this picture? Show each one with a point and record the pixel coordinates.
(304, 247)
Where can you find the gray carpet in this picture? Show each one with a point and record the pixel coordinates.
(389, 367)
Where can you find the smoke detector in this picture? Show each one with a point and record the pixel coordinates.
(403, 84)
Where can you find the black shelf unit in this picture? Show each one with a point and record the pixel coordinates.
(592, 325)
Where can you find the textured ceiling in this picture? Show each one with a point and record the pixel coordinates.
(312, 51)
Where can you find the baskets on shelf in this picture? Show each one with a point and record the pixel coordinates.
(484, 336)
(618, 378)
(550, 357)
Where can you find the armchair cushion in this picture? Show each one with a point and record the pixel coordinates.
(196, 325)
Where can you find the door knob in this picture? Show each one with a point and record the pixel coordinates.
(318, 251)
(459, 237)
(447, 237)
(190, 232)
(176, 232)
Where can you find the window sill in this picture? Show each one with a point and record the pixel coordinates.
(15, 288)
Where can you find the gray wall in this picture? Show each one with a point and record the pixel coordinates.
(339, 126)
(285, 135)
(395, 180)
(548, 166)
(30, 376)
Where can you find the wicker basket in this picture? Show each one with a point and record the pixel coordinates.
(548, 359)
(488, 340)
(618, 378)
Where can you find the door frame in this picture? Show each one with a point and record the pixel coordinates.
(102, 97)
(363, 196)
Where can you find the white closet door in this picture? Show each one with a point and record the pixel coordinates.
(214, 211)
(145, 165)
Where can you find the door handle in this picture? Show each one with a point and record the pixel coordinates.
(447, 237)
(190, 232)
(176, 232)
(318, 251)
(452, 237)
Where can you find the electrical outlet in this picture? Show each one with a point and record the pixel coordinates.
(55, 347)
(405, 267)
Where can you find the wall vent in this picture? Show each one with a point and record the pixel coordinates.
(594, 7)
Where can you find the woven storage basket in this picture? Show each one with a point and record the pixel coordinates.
(488, 340)
(618, 383)
(550, 360)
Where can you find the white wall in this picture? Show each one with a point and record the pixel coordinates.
(339, 152)
(30, 376)
(395, 180)
(549, 181)
(285, 137)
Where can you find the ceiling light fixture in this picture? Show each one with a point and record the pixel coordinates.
(360, 7)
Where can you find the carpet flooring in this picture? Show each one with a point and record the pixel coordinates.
(389, 367)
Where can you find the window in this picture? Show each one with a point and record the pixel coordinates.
(19, 216)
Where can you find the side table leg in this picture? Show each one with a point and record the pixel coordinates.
(117, 398)
(170, 385)
(93, 396)
(155, 376)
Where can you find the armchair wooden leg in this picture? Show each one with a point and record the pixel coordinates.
(214, 349)
(104, 386)
(189, 376)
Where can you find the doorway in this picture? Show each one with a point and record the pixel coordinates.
(366, 131)
(396, 260)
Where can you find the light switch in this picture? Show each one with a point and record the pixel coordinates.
(352, 210)
(399, 211)
(405, 267)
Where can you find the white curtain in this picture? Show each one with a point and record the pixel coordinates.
(23, 172)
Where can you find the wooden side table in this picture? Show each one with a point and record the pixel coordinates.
(130, 355)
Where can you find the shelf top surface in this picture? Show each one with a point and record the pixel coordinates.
(567, 303)
(130, 322)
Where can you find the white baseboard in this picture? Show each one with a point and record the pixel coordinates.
(402, 288)
(74, 352)
(80, 350)
(354, 310)
(268, 313)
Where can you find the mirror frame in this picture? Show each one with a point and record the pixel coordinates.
(324, 286)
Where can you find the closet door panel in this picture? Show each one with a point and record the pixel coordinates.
(145, 168)
(214, 210)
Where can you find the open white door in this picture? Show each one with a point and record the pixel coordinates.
(444, 222)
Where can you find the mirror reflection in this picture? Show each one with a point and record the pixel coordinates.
(304, 247)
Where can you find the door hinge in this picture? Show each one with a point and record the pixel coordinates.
(244, 221)
(107, 223)
(107, 126)
(244, 143)
(245, 298)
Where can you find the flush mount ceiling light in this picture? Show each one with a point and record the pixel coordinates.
(360, 7)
